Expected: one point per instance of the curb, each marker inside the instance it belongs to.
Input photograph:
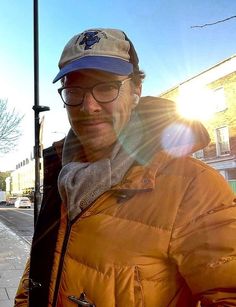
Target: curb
(14, 252)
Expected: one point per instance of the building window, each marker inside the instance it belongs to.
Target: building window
(222, 141)
(199, 154)
(219, 99)
(231, 174)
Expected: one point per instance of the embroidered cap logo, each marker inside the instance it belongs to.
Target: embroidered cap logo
(89, 39)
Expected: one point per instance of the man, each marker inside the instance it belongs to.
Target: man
(128, 217)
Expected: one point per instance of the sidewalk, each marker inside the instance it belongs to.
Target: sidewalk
(14, 252)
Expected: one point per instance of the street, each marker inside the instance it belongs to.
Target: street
(20, 221)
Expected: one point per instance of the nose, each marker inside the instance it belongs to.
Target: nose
(90, 105)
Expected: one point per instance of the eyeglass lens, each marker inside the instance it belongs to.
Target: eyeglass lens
(104, 92)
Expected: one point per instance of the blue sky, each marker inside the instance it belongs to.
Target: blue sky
(169, 50)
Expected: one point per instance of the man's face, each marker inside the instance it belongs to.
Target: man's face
(98, 125)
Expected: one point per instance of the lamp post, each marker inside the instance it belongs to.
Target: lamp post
(37, 109)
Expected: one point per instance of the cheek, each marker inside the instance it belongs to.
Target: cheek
(72, 115)
(121, 112)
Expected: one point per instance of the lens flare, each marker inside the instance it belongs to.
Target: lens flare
(178, 139)
(196, 103)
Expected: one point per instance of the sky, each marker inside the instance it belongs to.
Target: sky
(170, 51)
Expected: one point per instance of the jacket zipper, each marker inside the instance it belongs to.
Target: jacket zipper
(63, 252)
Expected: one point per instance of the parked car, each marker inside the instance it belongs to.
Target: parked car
(3, 202)
(23, 202)
(11, 200)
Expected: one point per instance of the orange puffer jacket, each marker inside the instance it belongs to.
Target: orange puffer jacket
(165, 236)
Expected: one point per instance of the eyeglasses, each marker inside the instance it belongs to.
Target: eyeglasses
(103, 92)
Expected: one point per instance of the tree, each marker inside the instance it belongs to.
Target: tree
(3, 176)
(9, 127)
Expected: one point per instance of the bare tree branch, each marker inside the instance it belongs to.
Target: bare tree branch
(9, 127)
(213, 23)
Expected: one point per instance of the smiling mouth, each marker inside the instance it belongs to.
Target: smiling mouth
(94, 121)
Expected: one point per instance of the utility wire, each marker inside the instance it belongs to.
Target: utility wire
(213, 23)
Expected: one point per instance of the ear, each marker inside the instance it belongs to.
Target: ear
(136, 96)
(138, 90)
(135, 99)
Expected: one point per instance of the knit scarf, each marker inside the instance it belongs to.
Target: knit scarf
(81, 183)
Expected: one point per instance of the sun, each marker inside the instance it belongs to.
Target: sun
(196, 103)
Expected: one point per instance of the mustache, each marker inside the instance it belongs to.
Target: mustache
(95, 118)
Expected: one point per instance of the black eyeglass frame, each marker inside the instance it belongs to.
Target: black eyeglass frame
(118, 83)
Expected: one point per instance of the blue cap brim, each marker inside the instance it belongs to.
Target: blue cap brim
(108, 64)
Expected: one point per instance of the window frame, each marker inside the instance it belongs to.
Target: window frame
(219, 150)
(219, 104)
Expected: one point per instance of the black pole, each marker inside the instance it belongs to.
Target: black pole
(37, 109)
(36, 115)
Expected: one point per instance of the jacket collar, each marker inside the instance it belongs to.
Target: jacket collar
(143, 177)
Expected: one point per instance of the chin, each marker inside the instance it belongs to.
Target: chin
(97, 137)
(97, 142)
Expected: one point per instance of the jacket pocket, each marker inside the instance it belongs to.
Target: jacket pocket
(128, 287)
(138, 289)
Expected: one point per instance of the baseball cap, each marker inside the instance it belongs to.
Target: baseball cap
(109, 50)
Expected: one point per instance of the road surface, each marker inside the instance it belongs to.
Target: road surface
(19, 220)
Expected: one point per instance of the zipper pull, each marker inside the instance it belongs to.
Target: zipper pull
(29, 284)
(82, 301)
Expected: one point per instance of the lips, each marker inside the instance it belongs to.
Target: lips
(94, 121)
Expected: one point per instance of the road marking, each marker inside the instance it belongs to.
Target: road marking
(25, 213)
(3, 208)
(26, 240)
(3, 217)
